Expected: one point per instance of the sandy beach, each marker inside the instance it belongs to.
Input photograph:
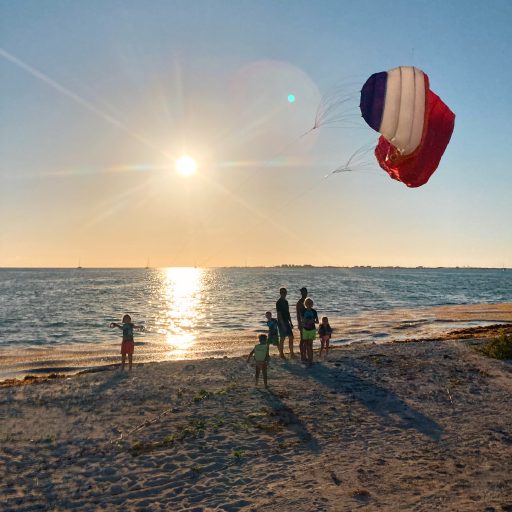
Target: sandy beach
(402, 426)
(183, 180)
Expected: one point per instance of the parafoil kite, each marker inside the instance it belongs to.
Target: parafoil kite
(414, 123)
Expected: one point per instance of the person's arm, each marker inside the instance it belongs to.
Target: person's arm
(140, 328)
(298, 310)
(267, 357)
(114, 324)
(316, 317)
(280, 319)
(250, 355)
(289, 317)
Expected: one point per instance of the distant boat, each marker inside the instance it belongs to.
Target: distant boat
(147, 264)
(79, 266)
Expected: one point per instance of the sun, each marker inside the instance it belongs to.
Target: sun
(186, 166)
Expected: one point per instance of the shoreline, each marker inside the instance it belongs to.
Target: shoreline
(425, 425)
(381, 327)
(43, 374)
(468, 333)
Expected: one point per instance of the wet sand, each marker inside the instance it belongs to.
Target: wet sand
(369, 327)
(402, 426)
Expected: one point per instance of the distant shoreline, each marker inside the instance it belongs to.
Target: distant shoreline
(285, 266)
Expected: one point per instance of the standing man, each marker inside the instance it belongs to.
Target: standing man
(300, 313)
(285, 323)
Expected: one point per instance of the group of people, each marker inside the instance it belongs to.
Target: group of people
(307, 319)
(281, 328)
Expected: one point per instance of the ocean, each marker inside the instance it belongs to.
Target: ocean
(58, 319)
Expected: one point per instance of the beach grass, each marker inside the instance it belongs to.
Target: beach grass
(499, 347)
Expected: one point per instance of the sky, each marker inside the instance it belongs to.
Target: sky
(99, 98)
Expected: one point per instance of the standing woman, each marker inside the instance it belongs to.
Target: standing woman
(300, 308)
(309, 321)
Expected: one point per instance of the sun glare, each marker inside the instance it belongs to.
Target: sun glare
(186, 166)
(182, 292)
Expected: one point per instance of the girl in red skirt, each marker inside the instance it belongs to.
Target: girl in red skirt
(127, 345)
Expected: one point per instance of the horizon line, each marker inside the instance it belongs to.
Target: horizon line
(282, 266)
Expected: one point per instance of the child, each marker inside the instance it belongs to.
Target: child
(309, 319)
(127, 345)
(324, 331)
(273, 332)
(260, 353)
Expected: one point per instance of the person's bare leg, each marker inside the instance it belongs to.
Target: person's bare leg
(123, 361)
(257, 374)
(309, 347)
(264, 372)
(130, 359)
(290, 345)
(302, 347)
(281, 348)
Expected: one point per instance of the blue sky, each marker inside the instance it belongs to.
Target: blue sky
(98, 98)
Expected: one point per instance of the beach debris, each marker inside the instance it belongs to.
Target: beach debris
(361, 495)
(202, 394)
(334, 478)
(196, 469)
(238, 453)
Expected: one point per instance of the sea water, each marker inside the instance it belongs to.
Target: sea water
(211, 312)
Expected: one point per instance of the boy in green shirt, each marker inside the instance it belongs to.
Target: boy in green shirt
(261, 356)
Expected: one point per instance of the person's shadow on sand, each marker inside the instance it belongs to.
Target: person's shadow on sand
(379, 400)
(286, 417)
(114, 379)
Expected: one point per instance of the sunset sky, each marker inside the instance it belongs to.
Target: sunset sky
(99, 98)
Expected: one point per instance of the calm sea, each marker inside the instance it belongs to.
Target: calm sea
(58, 318)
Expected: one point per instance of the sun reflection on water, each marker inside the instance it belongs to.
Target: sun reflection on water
(182, 290)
